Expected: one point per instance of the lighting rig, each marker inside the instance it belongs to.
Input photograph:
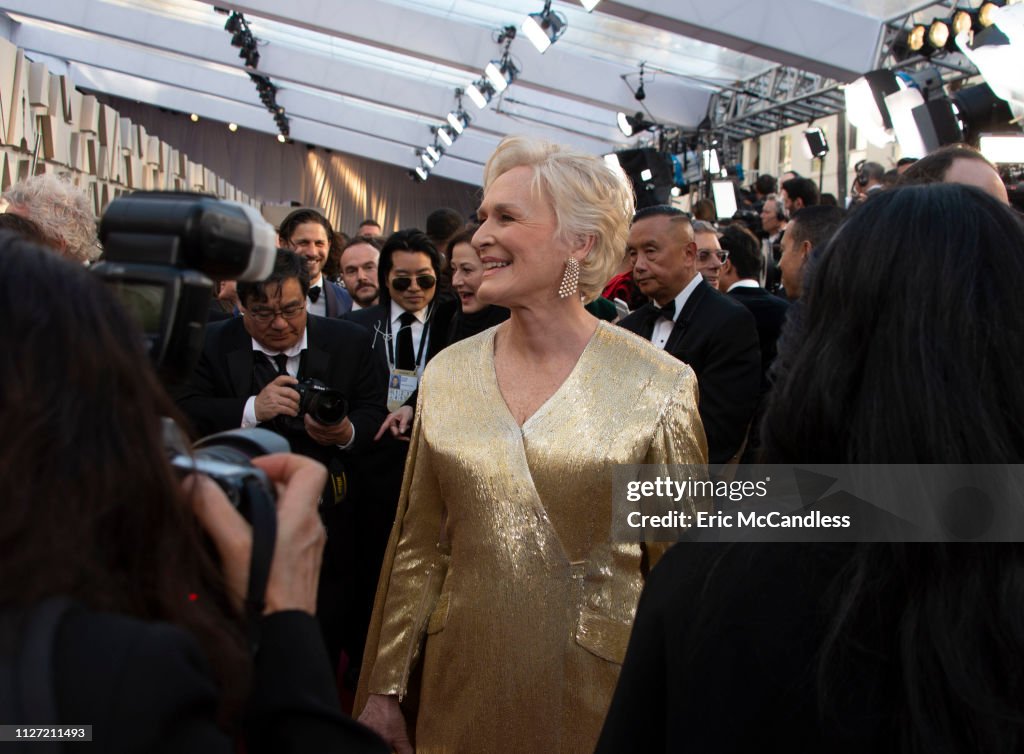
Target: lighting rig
(243, 38)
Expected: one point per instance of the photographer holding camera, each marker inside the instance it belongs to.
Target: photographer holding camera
(279, 368)
(153, 651)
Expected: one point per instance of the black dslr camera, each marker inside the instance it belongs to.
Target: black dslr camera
(319, 401)
(160, 251)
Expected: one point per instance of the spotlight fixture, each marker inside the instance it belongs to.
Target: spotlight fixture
(457, 118)
(501, 73)
(865, 105)
(194, 118)
(938, 34)
(282, 138)
(232, 127)
(427, 160)
(589, 5)
(434, 152)
(234, 23)
(545, 28)
(640, 94)
(631, 125)
(420, 173)
(480, 91)
(445, 135)
(961, 22)
(985, 13)
(817, 144)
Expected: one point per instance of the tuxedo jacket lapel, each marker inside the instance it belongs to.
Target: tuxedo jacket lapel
(315, 360)
(683, 320)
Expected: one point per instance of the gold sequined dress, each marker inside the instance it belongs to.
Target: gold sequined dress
(501, 577)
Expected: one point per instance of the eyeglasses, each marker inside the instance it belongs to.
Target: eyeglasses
(264, 316)
(426, 282)
(703, 254)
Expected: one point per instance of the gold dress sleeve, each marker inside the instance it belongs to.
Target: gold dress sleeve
(411, 577)
(678, 439)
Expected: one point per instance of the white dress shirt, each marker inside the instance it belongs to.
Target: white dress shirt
(663, 327)
(320, 307)
(418, 328)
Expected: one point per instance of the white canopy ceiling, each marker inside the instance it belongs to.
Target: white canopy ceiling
(371, 77)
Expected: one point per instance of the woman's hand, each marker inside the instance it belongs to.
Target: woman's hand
(398, 422)
(298, 549)
(384, 717)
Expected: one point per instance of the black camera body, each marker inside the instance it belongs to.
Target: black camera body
(161, 253)
(320, 402)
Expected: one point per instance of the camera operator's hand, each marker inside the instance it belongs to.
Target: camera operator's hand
(277, 398)
(298, 549)
(398, 423)
(329, 434)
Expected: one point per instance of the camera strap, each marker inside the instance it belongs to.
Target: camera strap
(263, 518)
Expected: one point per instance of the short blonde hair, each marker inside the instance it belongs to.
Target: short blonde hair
(589, 199)
(61, 210)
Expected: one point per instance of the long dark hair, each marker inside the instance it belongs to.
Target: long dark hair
(91, 508)
(908, 350)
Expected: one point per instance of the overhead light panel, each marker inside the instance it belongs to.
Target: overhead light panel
(194, 117)
(545, 28)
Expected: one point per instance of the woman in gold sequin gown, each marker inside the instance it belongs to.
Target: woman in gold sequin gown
(503, 590)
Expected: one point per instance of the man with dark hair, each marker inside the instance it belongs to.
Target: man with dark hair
(957, 163)
(442, 224)
(764, 185)
(370, 227)
(359, 260)
(309, 234)
(808, 229)
(407, 328)
(798, 193)
(246, 377)
(739, 278)
(711, 332)
(870, 178)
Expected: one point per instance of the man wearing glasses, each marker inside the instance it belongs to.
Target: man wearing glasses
(246, 377)
(710, 256)
(712, 333)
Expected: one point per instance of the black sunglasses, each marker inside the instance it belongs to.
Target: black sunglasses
(426, 282)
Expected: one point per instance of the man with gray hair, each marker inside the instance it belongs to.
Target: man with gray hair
(62, 211)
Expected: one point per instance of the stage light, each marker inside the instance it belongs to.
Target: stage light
(480, 91)
(998, 54)
(1003, 148)
(232, 127)
(544, 28)
(459, 121)
(434, 153)
(501, 73)
(915, 41)
(961, 22)
(194, 118)
(234, 22)
(816, 143)
(419, 174)
(985, 13)
(630, 125)
(589, 5)
(901, 107)
(282, 138)
(238, 39)
(710, 159)
(427, 161)
(938, 34)
(865, 105)
(444, 134)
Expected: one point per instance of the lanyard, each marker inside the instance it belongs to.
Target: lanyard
(391, 347)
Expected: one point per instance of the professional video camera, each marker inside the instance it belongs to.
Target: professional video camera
(160, 251)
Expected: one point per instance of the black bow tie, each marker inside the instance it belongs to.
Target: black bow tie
(668, 311)
(314, 293)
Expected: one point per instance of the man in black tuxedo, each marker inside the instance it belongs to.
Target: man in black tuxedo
(711, 332)
(309, 234)
(407, 328)
(245, 378)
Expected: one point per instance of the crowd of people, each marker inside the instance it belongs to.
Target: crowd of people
(444, 567)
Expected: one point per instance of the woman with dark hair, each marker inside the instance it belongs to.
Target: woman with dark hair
(154, 654)
(908, 351)
(474, 316)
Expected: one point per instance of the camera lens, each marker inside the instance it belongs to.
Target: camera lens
(329, 407)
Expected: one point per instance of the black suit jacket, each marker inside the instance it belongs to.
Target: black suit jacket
(769, 313)
(375, 319)
(717, 337)
(338, 353)
(147, 687)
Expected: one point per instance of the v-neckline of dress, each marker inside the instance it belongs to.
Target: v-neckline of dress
(545, 407)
